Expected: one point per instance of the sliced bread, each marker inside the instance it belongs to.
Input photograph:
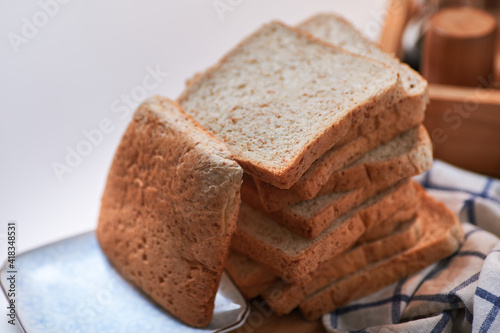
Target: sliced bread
(282, 98)
(169, 210)
(253, 278)
(442, 236)
(284, 297)
(336, 30)
(407, 155)
(250, 277)
(292, 257)
(311, 217)
(380, 230)
(338, 157)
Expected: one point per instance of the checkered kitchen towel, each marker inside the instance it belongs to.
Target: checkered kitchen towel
(457, 294)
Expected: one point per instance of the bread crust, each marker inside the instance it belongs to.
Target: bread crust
(169, 210)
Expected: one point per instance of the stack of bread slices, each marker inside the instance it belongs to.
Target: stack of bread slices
(328, 144)
(328, 131)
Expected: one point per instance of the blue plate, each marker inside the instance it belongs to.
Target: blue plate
(69, 286)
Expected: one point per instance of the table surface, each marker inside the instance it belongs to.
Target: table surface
(69, 68)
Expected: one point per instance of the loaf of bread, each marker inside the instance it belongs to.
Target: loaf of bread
(328, 129)
(169, 210)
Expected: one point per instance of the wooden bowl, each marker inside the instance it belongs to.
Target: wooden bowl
(464, 122)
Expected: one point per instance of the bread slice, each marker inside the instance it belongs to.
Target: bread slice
(309, 184)
(288, 255)
(169, 210)
(336, 30)
(281, 98)
(407, 155)
(410, 109)
(442, 236)
(253, 278)
(292, 257)
(284, 297)
(389, 226)
(250, 277)
(310, 218)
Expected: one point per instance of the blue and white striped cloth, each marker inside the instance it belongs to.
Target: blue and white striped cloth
(457, 294)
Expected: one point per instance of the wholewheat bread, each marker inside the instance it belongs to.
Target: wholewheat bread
(307, 219)
(308, 185)
(284, 297)
(442, 236)
(282, 98)
(378, 230)
(310, 218)
(337, 31)
(292, 257)
(253, 278)
(407, 155)
(411, 108)
(169, 210)
(250, 277)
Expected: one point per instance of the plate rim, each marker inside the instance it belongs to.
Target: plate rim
(4, 264)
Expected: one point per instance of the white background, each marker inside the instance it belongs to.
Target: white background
(65, 77)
